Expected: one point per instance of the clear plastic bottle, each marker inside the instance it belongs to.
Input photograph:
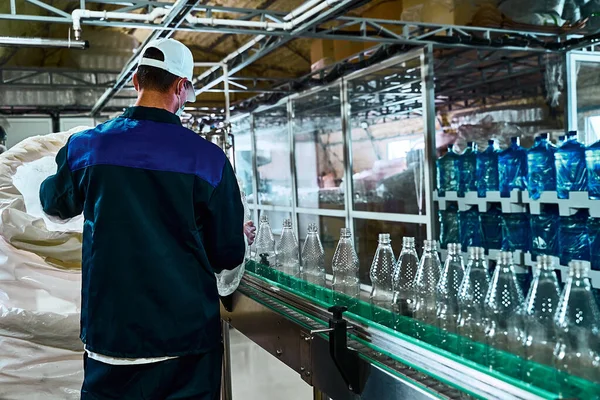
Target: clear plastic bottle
(404, 278)
(571, 172)
(345, 268)
(573, 237)
(467, 166)
(447, 290)
(487, 170)
(502, 307)
(539, 336)
(469, 227)
(264, 241)
(577, 322)
(381, 273)
(313, 257)
(449, 225)
(287, 250)
(448, 172)
(541, 168)
(512, 167)
(426, 280)
(491, 226)
(592, 160)
(471, 302)
(544, 231)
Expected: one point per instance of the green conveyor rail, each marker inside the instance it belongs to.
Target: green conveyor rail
(540, 380)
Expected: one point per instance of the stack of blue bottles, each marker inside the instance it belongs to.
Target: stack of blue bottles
(469, 228)
(512, 166)
(467, 165)
(571, 173)
(515, 232)
(487, 170)
(592, 160)
(593, 229)
(573, 237)
(448, 172)
(541, 170)
(449, 231)
(544, 231)
(491, 226)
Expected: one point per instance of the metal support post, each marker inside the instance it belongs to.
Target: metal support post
(226, 87)
(226, 388)
(430, 145)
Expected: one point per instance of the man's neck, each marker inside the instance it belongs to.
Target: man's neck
(155, 100)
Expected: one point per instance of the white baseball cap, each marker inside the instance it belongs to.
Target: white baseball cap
(178, 60)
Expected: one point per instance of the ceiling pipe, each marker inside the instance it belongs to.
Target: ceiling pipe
(9, 41)
(301, 9)
(79, 14)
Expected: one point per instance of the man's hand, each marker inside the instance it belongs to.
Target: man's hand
(250, 232)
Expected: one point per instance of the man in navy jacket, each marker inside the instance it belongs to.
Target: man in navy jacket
(163, 214)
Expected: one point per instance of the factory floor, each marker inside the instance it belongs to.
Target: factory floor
(257, 375)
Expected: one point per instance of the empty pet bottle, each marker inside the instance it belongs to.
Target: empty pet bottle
(426, 280)
(467, 166)
(573, 237)
(541, 168)
(491, 226)
(577, 322)
(448, 173)
(447, 290)
(449, 228)
(404, 277)
(487, 170)
(502, 305)
(516, 232)
(287, 250)
(345, 269)
(571, 172)
(381, 273)
(471, 302)
(544, 231)
(539, 337)
(313, 257)
(512, 167)
(264, 242)
(592, 160)
(469, 227)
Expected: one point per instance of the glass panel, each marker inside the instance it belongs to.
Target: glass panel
(588, 108)
(273, 156)
(387, 131)
(329, 232)
(319, 152)
(276, 221)
(366, 234)
(243, 155)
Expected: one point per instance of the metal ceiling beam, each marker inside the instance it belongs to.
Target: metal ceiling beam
(175, 17)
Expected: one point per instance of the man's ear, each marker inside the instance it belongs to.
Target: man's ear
(136, 83)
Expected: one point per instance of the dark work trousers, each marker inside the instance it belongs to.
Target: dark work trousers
(194, 377)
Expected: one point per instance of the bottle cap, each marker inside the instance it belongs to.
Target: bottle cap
(561, 138)
(384, 238)
(476, 252)
(544, 135)
(450, 147)
(491, 142)
(408, 241)
(454, 248)
(312, 228)
(264, 218)
(545, 262)
(579, 268)
(515, 140)
(505, 257)
(287, 223)
(571, 134)
(470, 144)
(429, 244)
(345, 232)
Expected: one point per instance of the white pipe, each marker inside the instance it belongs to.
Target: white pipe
(301, 9)
(313, 11)
(41, 42)
(226, 87)
(79, 14)
(234, 22)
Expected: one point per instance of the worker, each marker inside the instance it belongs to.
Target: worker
(2, 140)
(163, 214)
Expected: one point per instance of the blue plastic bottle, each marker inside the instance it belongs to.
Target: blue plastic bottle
(491, 225)
(487, 169)
(469, 228)
(541, 170)
(467, 166)
(544, 232)
(592, 160)
(449, 230)
(571, 173)
(512, 167)
(448, 172)
(516, 232)
(573, 238)
(593, 229)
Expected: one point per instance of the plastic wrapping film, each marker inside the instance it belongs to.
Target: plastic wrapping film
(544, 234)
(515, 232)
(491, 226)
(449, 226)
(541, 170)
(571, 169)
(593, 228)
(470, 228)
(548, 12)
(573, 237)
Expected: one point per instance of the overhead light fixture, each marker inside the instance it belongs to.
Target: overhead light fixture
(9, 41)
